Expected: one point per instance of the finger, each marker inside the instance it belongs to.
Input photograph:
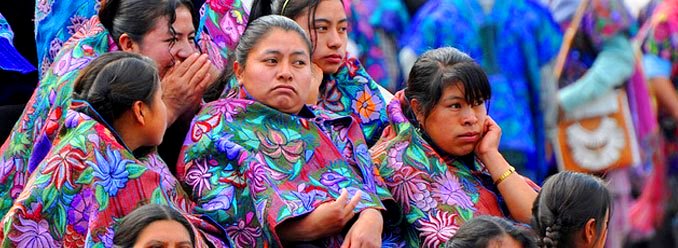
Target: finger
(341, 201)
(347, 241)
(200, 75)
(185, 65)
(195, 66)
(354, 201)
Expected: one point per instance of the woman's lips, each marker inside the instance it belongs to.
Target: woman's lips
(469, 137)
(333, 58)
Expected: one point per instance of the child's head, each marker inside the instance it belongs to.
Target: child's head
(154, 226)
(491, 231)
(572, 210)
(124, 89)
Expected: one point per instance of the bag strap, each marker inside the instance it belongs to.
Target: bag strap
(568, 38)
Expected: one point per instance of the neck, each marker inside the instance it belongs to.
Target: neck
(127, 133)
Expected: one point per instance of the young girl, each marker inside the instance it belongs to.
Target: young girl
(154, 225)
(91, 177)
(572, 210)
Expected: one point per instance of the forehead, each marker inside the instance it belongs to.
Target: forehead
(332, 10)
(285, 41)
(183, 22)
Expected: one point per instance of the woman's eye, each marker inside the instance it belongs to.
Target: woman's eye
(343, 29)
(455, 106)
(271, 61)
(300, 62)
(321, 28)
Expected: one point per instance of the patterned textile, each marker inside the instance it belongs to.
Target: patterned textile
(436, 193)
(224, 21)
(10, 58)
(85, 185)
(375, 27)
(511, 50)
(56, 21)
(349, 92)
(250, 167)
(31, 138)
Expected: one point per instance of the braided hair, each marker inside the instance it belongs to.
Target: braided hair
(565, 204)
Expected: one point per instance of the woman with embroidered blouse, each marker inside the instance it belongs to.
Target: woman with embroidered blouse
(272, 170)
(439, 157)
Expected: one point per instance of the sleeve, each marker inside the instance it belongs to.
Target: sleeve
(612, 67)
(656, 67)
(661, 43)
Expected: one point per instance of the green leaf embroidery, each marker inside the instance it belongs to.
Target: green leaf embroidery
(86, 176)
(135, 170)
(102, 197)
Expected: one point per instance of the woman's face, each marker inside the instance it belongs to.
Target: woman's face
(454, 124)
(156, 121)
(164, 234)
(330, 35)
(277, 71)
(157, 43)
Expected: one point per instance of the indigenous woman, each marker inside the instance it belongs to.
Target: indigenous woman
(343, 86)
(661, 68)
(272, 170)
(162, 30)
(91, 178)
(600, 60)
(439, 157)
(513, 51)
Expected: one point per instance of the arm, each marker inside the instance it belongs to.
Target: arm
(612, 67)
(658, 70)
(517, 193)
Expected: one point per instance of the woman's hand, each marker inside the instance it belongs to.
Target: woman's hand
(489, 143)
(327, 219)
(366, 231)
(184, 85)
(315, 84)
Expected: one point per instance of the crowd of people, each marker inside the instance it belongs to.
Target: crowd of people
(344, 123)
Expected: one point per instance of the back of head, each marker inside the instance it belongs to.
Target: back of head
(436, 69)
(137, 17)
(131, 225)
(113, 82)
(482, 230)
(566, 202)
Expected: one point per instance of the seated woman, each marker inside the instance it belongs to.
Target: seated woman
(439, 156)
(160, 29)
(572, 210)
(340, 83)
(91, 178)
(491, 231)
(154, 225)
(272, 170)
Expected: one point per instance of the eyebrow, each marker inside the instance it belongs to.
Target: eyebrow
(276, 52)
(181, 34)
(454, 98)
(328, 21)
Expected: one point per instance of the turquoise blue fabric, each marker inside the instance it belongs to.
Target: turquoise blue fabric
(655, 66)
(55, 22)
(511, 50)
(611, 68)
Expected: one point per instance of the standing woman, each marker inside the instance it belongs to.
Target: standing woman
(439, 156)
(160, 29)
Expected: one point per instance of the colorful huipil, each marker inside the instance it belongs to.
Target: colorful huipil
(55, 22)
(436, 193)
(251, 167)
(349, 92)
(511, 50)
(86, 184)
(31, 137)
(375, 27)
(224, 21)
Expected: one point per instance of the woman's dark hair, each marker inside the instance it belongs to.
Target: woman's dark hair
(260, 28)
(137, 17)
(565, 204)
(134, 223)
(288, 8)
(114, 81)
(439, 68)
(481, 230)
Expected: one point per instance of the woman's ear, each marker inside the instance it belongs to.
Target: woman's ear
(139, 111)
(127, 44)
(415, 105)
(589, 232)
(238, 71)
